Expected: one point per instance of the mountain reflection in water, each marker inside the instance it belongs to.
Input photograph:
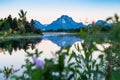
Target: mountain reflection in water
(61, 40)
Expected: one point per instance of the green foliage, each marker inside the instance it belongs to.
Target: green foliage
(43, 73)
(112, 53)
(83, 32)
(22, 14)
(84, 67)
(115, 33)
(20, 25)
(15, 25)
(58, 69)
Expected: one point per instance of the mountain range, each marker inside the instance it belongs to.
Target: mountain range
(65, 23)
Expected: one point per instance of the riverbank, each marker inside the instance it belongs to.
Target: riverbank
(19, 36)
(60, 33)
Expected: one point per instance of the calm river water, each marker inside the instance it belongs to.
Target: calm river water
(12, 52)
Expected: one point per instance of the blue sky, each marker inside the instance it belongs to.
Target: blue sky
(47, 11)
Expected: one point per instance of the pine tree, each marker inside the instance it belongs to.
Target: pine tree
(22, 21)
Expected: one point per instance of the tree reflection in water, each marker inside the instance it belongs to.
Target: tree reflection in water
(14, 44)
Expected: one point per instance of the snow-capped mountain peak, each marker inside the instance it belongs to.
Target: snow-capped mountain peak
(63, 21)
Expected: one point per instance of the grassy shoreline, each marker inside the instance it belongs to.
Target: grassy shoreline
(19, 36)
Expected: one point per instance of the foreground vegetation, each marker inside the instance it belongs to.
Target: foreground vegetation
(79, 64)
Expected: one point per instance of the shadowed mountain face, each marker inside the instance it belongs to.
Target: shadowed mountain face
(103, 23)
(39, 25)
(64, 22)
